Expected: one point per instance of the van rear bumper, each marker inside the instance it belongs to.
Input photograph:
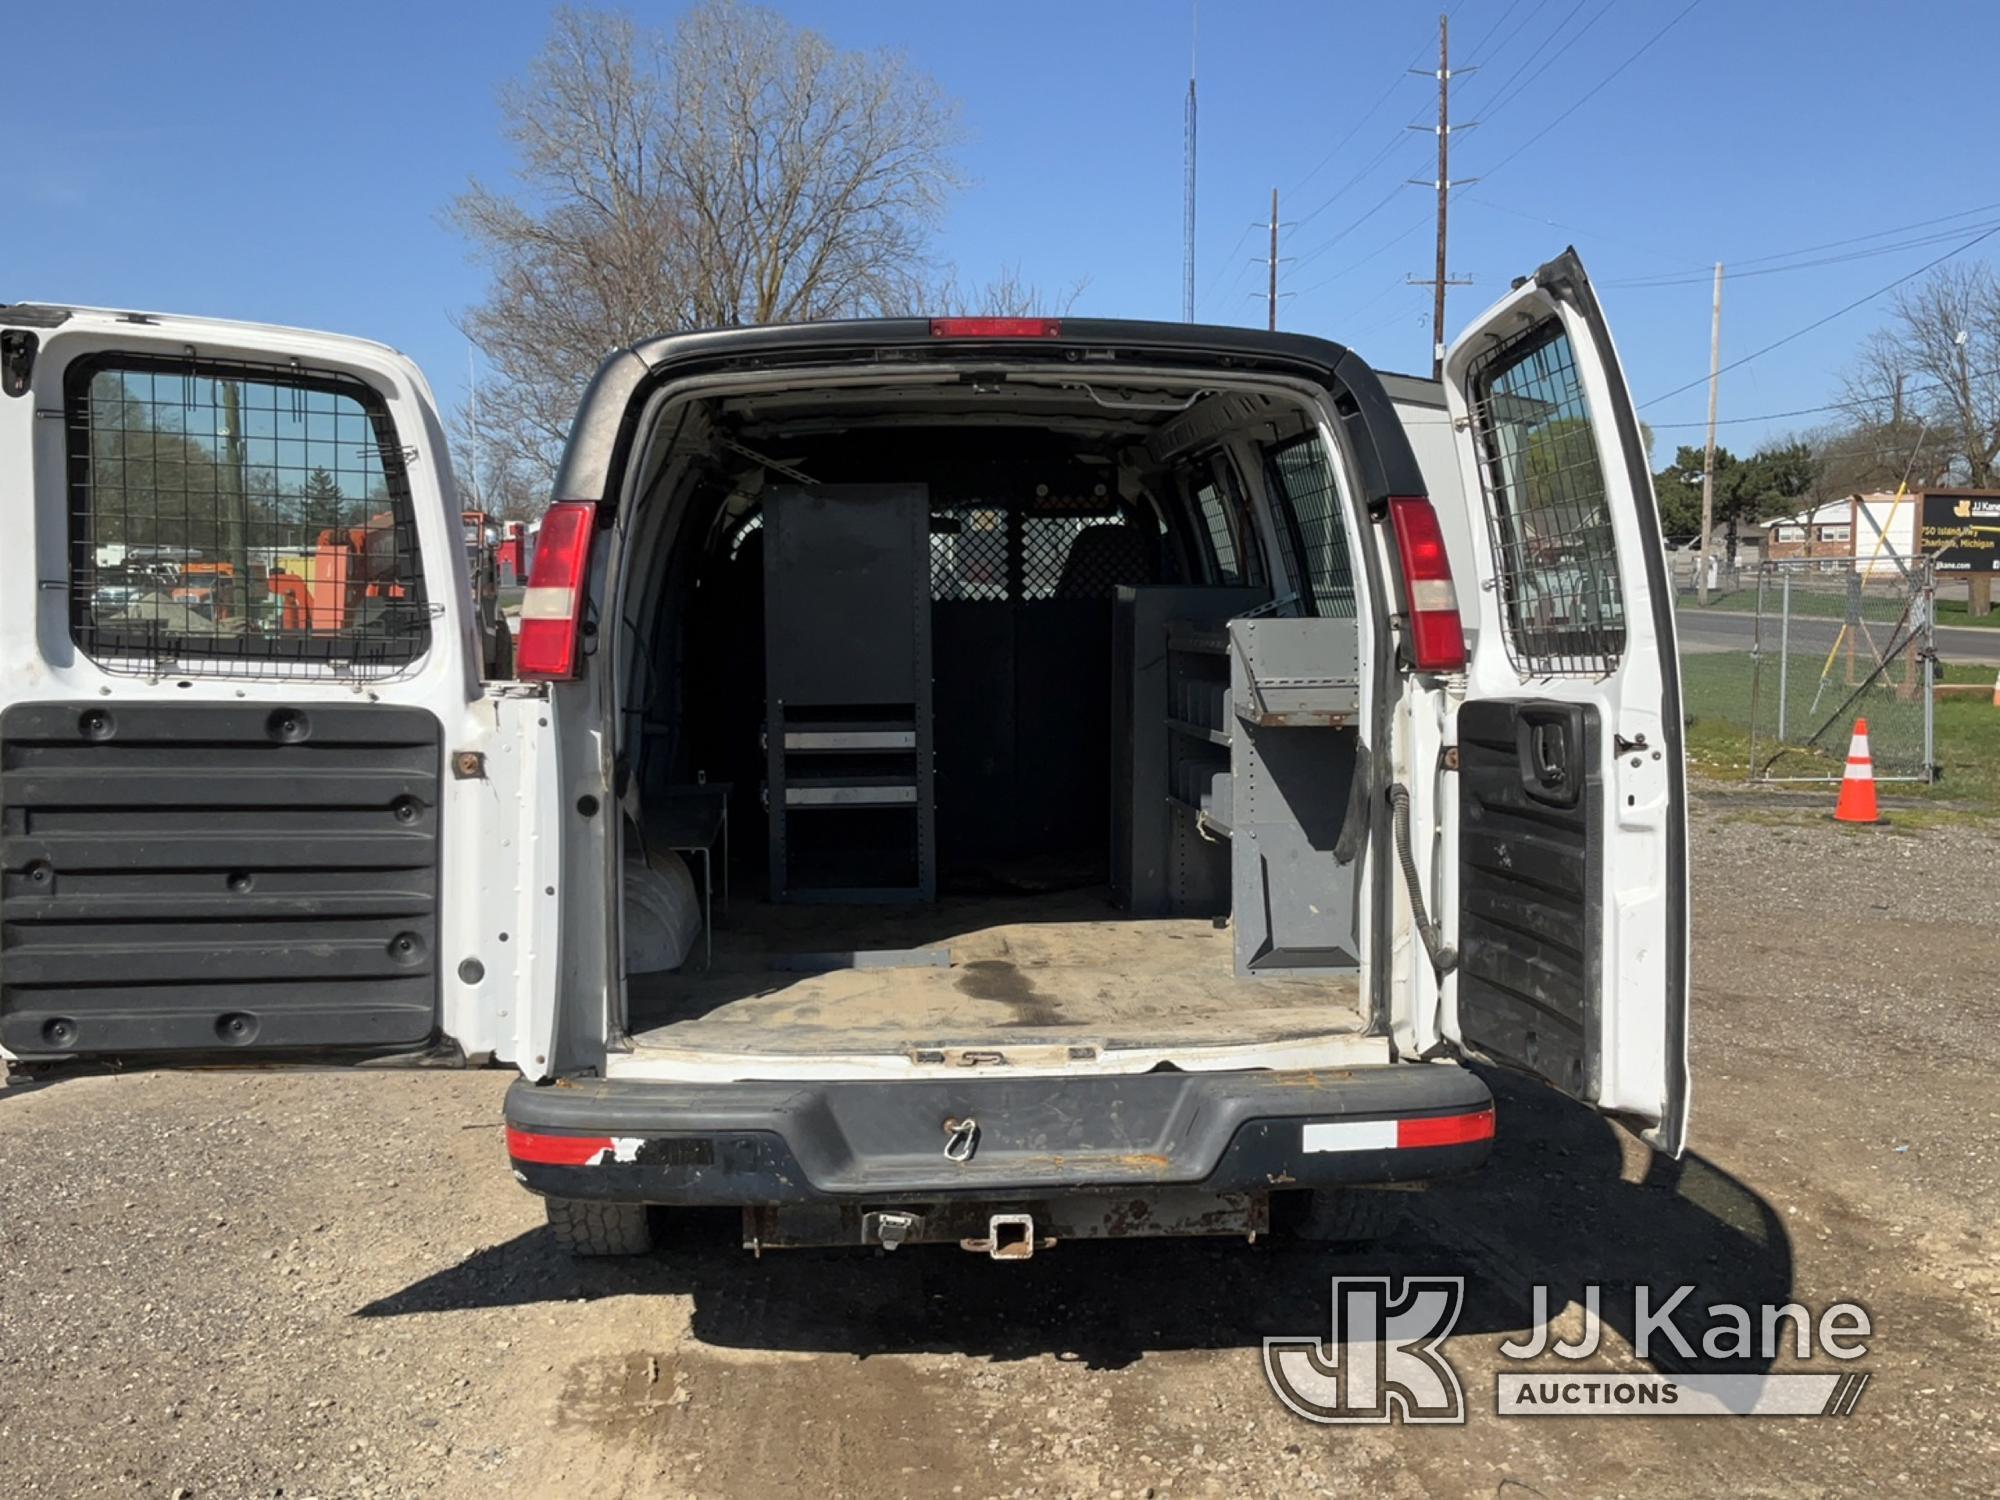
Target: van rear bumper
(748, 1144)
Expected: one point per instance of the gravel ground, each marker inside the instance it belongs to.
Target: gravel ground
(324, 1283)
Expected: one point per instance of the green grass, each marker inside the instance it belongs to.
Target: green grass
(1731, 601)
(1956, 612)
(1716, 691)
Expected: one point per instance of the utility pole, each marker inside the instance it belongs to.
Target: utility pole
(1271, 295)
(1439, 280)
(1270, 260)
(1708, 453)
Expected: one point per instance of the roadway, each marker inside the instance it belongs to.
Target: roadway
(1715, 630)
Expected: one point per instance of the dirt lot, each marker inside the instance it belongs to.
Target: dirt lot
(326, 1284)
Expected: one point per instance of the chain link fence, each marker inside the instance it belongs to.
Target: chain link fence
(1836, 640)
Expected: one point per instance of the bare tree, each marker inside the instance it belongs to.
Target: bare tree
(1936, 370)
(740, 170)
(1883, 433)
(1949, 327)
(1007, 294)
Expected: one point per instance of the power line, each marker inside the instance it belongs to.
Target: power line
(1354, 266)
(1841, 311)
(1507, 91)
(1326, 245)
(1814, 264)
(1367, 115)
(1590, 234)
(1416, 316)
(1441, 129)
(1597, 88)
(1858, 239)
(1368, 167)
(1353, 130)
(1216, 280)
(1808, 411)
(1487, 35)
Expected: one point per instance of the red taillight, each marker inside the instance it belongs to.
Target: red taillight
(556, 1150)
(1445, 1130)
(552, 607)
(996, 328)
(1437, 642)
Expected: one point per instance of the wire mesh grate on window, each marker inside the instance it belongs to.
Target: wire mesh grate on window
(1082, 556)
(239, 520)
(1209, 500)
(969, 552)
(1561, 605)
(997, 552)
(1302, 476)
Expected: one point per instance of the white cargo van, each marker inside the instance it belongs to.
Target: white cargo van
(993, 780)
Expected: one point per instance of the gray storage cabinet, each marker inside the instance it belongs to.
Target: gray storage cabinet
(1295, 696)
(1167, 769)
(847, 722)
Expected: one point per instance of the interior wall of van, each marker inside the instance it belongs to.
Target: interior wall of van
(1001, 714)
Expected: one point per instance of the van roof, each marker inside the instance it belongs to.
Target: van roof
(60, 315)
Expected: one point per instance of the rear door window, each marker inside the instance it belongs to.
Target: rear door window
(238, 519)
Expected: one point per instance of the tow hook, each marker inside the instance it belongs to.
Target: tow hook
(961, 1139)
(1008, 1237)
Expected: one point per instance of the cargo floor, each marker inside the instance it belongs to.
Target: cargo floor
(1064, 968)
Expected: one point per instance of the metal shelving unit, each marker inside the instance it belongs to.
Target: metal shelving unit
(847, 726)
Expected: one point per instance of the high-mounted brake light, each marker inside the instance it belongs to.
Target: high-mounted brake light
(996, 328)
(1437, 641)
(552, 606)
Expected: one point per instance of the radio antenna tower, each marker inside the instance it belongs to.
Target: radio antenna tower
(1187, 207)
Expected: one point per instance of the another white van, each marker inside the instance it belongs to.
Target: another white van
(987, 780)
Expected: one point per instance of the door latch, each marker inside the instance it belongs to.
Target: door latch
(1624, 746)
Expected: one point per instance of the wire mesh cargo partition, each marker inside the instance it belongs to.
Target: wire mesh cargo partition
(1546, 510)
(1838, 640)
(238, 520)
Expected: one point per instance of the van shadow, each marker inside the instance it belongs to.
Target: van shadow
(1552, 1208)
(19, 1085)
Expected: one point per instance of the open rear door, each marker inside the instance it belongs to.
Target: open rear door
(255, 800)
(1571, 868)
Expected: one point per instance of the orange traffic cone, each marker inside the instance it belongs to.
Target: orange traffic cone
(1857, 787)
(1996, 692)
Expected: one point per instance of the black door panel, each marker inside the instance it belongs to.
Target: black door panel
(208, 877)
(1530, 851)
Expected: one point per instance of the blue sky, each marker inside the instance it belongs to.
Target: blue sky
(290, 163)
